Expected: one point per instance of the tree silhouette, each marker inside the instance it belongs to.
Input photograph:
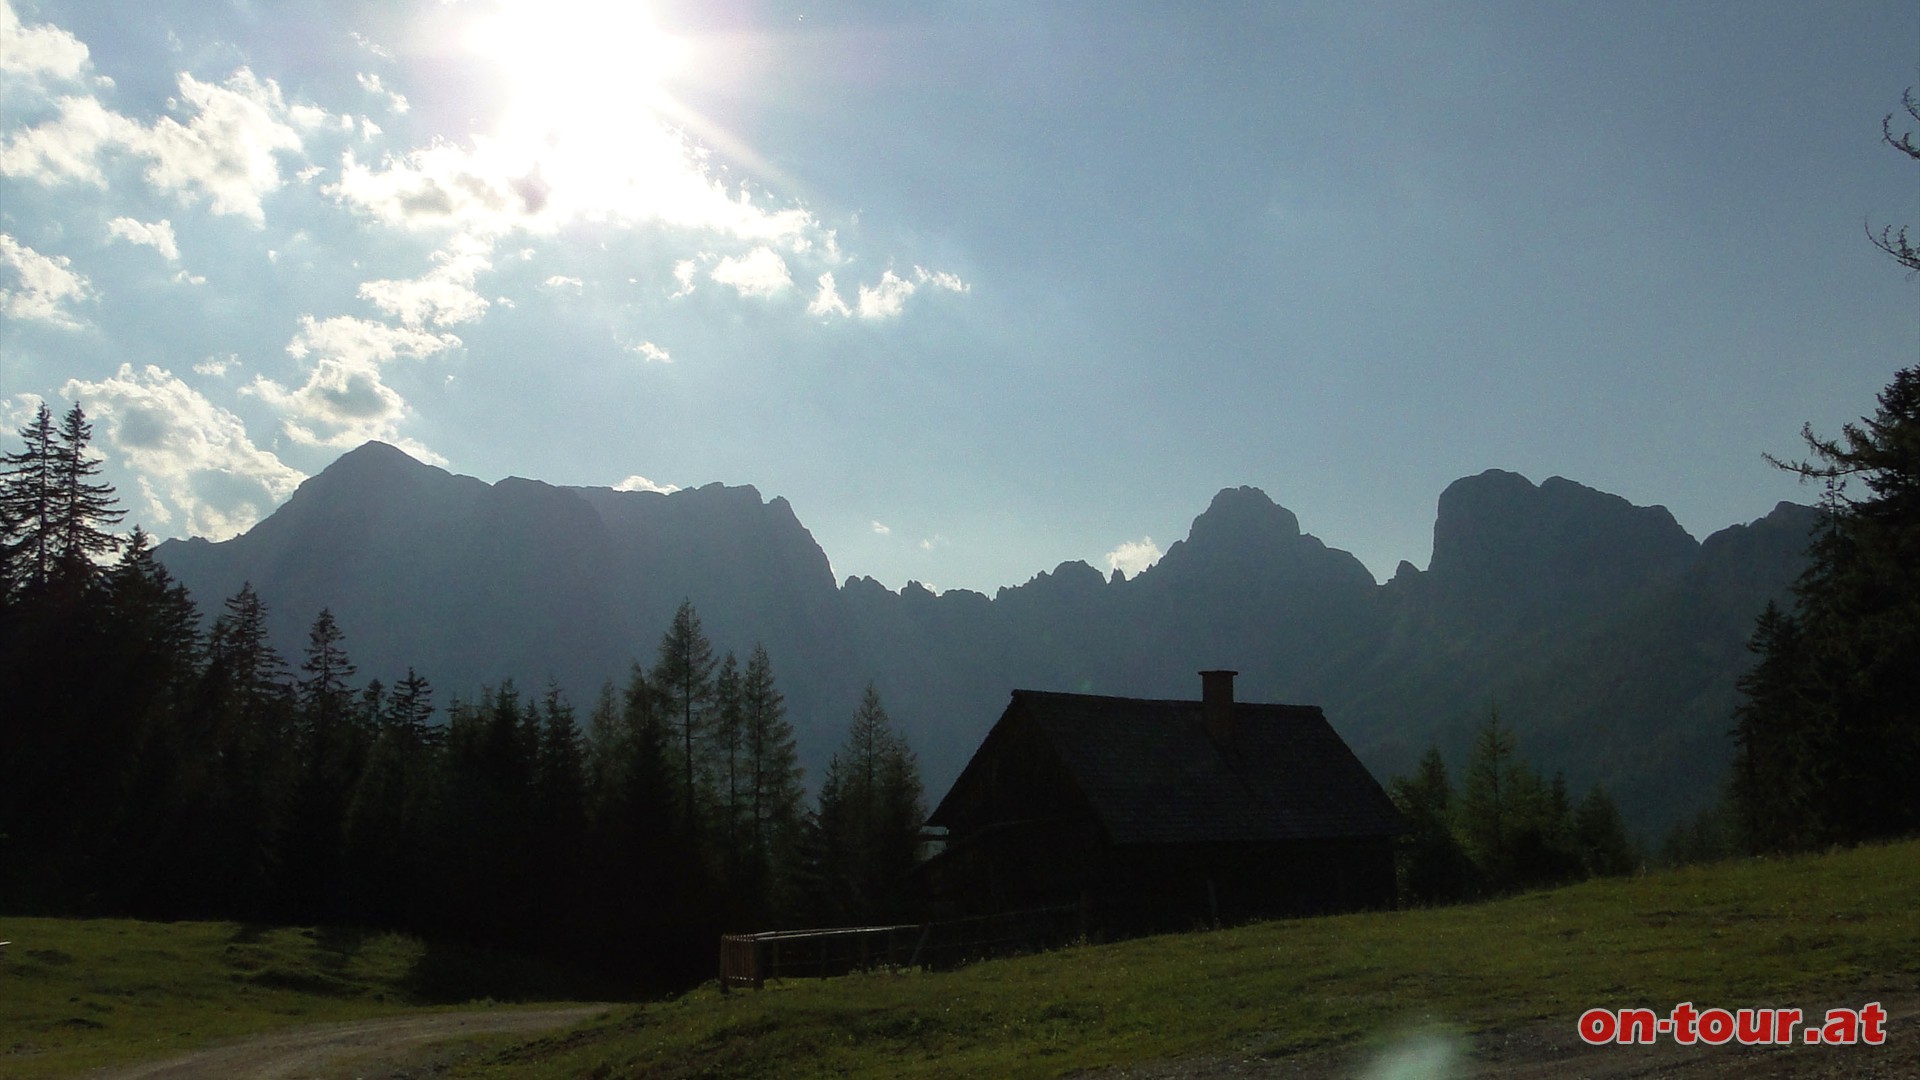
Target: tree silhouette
(1827, 740)
(29, 485)
(84, 506)
(683, 674)
(1897, 244)
(869, 818)
(774, 793)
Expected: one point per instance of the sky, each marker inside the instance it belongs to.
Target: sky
(978, 287)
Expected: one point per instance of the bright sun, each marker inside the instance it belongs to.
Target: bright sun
(580, 62)
(588, 104)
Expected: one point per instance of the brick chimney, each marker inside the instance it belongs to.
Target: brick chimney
(1216, 705)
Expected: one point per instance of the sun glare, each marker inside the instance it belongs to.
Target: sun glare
(591, 130)
(588, 103)
(580, 60)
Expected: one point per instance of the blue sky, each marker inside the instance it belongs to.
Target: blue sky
(978, 287)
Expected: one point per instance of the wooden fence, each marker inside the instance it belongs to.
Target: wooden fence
(752, 959)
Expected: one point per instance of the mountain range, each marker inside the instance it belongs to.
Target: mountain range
(1608, 638)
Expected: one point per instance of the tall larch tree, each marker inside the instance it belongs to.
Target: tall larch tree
(774, 792)
(683, 675)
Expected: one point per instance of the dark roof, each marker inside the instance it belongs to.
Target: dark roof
(1153, 775)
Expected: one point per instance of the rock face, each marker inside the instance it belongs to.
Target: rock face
(1519, 549)
(473, 583)
(1609, 638)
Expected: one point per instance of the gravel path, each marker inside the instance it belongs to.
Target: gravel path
(360, 1048)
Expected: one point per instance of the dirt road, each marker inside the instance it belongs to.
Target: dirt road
(361, 1048)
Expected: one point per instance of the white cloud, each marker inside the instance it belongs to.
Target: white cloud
(217, 366)
(444, 295)
(371, 46)
(828, 301)
(887, 298)
(760, 272)
(647, 350)
(562, 281)
(18, 412)
(198, 471)
(683, 277)
(940, 279)
(1133, 556)
(226, 152)
(41, 49)
(158, 235)
(313, 116)
(637, 482)
(371, 84)
(344, 401)
(882, 529)
(364, 339)
(68, 147)
(45, 287)
(436, 298)
(522, 180)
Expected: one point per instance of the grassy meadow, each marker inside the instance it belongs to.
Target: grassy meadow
(1751, 933)
(76, 994)
(1790, 932)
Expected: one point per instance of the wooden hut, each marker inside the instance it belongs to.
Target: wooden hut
(1154, 815)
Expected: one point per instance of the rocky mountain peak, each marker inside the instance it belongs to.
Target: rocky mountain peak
(1498, 535)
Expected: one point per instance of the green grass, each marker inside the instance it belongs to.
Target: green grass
(1775, 932)
(76, 994)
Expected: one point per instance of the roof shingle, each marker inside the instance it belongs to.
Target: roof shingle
(1154, 775)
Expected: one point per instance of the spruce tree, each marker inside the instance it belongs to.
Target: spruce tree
(1432, 866)
(559, 825)
(386, 843)
(331, 757)
(870, 813)
(84, 505)
(241, 658)
(29, 505)
(1601, 837)
(246, 698)
(1828, 736)
(152, 663)
(1837, 686)
(326, 696)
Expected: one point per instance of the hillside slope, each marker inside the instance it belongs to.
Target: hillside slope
(1809, 933)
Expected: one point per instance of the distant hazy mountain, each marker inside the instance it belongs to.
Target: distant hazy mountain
(1607, 636)
(472, 583)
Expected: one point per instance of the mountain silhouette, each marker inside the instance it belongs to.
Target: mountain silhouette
(1609, 638)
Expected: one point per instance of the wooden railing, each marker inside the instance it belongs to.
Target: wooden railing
(752, 959)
